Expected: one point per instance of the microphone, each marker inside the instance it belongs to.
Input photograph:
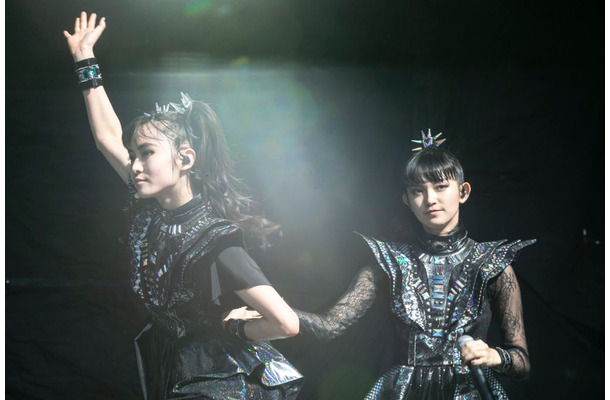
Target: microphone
(477, 373)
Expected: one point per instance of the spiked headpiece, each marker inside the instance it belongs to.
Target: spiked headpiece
(186, 105)
(428, 140)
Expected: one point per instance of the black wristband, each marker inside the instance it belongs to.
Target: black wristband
(241, 329)
(85, 63)
(506, 358)
(236, 327)
(88, 73)
(91, 83)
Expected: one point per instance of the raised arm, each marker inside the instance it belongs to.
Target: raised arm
(104, 122)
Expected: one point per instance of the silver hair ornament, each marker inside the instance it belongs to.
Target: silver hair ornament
(186, 105)
(428, 140)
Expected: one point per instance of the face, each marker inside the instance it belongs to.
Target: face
(437, 205)
(156, 170)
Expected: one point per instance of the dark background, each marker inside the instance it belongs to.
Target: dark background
(319, 100)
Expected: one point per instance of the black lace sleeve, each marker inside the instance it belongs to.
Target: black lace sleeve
(506, 305)
(350, 308)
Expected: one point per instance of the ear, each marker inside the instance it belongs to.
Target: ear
(465, 192)
(188, 157)
(405, 200)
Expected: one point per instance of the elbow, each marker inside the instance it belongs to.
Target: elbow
(108, 141)
(99, 146)
(524, 372)
(102, 146)
(289, 325)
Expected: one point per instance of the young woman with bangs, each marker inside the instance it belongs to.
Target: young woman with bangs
(442, 286)
(189, 265)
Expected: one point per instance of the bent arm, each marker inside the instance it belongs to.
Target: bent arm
(507, 307)
(348, 310)
(105, 124)
(240, 274)
(278, 320)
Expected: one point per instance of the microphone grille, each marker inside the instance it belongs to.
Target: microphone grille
(462, 340)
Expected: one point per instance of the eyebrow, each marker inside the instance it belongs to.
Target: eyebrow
(142, 146)
(145, 145)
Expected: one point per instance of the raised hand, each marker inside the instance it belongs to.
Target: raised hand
(85, 35)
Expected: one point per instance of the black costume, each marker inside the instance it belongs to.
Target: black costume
(441, 288)
(186, 265)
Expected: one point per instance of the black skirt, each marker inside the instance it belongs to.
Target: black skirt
(195, 367)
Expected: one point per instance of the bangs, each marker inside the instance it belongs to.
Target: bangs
(130, 131)
(433, 166)
(142, 126)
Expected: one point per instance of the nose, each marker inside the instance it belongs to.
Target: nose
(136, 166)
(430, 197)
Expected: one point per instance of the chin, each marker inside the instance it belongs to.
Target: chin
(142, 195)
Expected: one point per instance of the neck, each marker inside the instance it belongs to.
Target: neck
(178, 196)
(444, 231)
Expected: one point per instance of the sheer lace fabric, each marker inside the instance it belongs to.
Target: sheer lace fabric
(503, 294)
(505, 298)
(354, 303)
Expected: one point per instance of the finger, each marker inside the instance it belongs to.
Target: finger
(481, 344)
(468, 354)
(102, 25)
(468, 349)
(83, 20)
(67, 35)
(76, 25)
(92, 19)
(467, 358)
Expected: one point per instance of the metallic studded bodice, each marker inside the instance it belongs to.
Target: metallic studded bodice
(165, 248)
(438, 291)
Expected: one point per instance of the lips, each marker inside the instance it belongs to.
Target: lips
(433, 212)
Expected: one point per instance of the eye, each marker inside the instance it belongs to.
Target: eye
(441, 186)
(415, 191)
(147, 153)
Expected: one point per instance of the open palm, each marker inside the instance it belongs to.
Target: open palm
(85, 35)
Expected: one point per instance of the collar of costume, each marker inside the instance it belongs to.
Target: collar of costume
(184, 212)
(451, 243)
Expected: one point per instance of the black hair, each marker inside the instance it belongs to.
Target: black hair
(212, 174)
(432, 164)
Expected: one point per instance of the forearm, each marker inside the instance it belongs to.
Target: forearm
(265, 329)
(106, 129)
(324, 327)
(506, 304)
(277, 320)
(515, 362)
(105, 125)
(348, 310)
